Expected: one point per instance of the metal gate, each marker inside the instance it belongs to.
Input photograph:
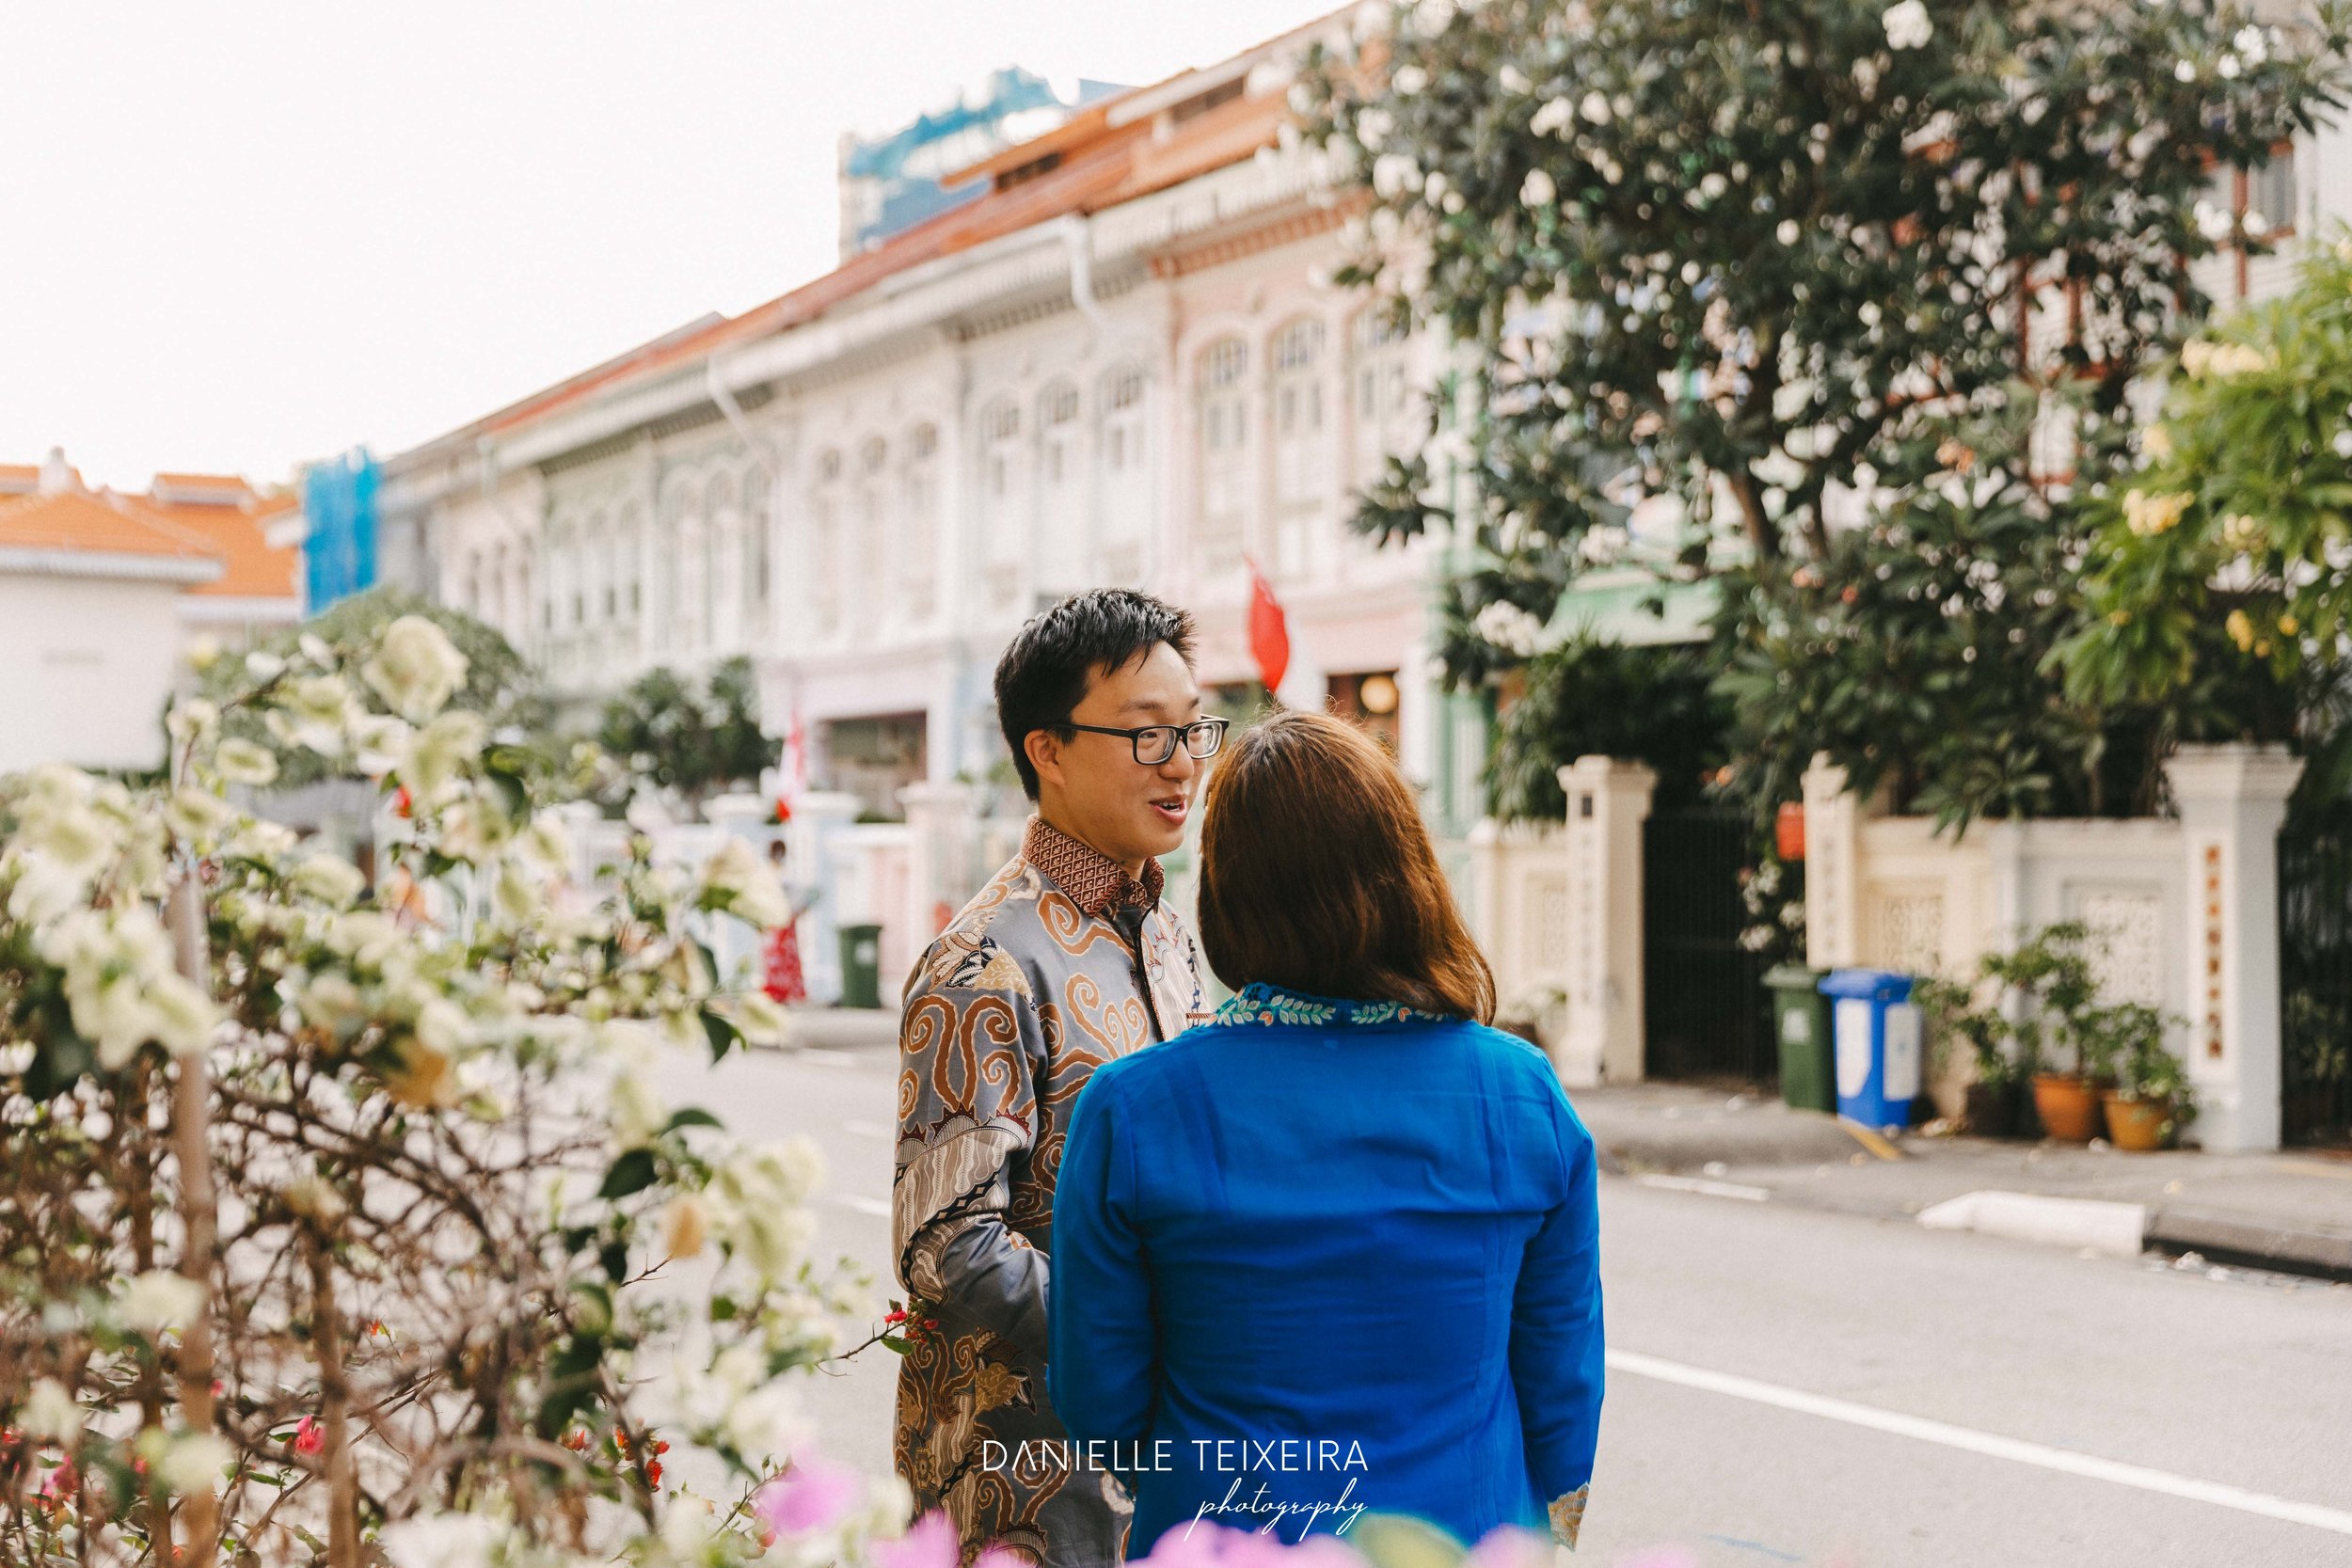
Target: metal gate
(1704, 999)
(2316, 982)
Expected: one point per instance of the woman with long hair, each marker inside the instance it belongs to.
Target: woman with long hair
(1338, 1250)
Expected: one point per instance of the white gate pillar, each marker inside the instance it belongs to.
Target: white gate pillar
(2232, 799)
(1608, 803)
(1832, 835)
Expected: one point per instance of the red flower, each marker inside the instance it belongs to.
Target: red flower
(402, 804)
(653, 1473)
(895, 1317)
(310, 1436)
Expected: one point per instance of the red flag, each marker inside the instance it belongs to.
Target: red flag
(1269, 632)
(795, 742)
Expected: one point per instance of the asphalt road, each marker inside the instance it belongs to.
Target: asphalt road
(1793, 1387)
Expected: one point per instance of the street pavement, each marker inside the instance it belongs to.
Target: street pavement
(1795, 1384)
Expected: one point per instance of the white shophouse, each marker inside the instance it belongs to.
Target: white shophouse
(1124, 364)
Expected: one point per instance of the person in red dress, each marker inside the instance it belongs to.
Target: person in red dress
(780, 953)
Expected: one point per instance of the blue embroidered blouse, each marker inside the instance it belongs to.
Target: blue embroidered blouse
(1320, 1257)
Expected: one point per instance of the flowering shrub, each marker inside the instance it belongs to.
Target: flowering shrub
(340, 1215)
(2226, 549)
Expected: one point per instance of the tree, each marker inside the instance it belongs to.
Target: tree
(1739, 249)
(2225, 559)
(696, 741)
(498, 684)
(336, 1215)
(1749, 283)
(1654, 704)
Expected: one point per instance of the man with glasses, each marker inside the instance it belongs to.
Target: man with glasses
(1065, 961)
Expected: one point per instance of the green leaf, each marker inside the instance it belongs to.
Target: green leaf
(723, 1035)
(693, 1116)
(634, 1172)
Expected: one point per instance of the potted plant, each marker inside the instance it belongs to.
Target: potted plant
(1994, 1090)
(2056, 990)
(2151, 1099)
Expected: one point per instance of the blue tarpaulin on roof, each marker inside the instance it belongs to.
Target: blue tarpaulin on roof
(339, 537)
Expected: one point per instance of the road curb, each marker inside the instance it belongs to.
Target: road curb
(2222, 1239)
(2119, 1228)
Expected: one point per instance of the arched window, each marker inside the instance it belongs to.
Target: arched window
(918, 499)
(1062, 547)
(501, 605)
(824, 538)
(1302, 447)
(1383, 404)
(1224, 451)
(720, 523)
(674, 595)
(759, 522)
(630, 571)
(1002, 495)
(872, 519)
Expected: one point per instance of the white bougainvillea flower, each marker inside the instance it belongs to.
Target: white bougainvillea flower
(193, 1462)
(120, 987)
(242, 762)
(762, 1021)
(1537, 189)
(416, 668)
(158, 1302)
(1908, 24)
(439, 1541)
(431, 758)
(52, 1411)
(738, 881)
(314, 711)
(330, 880)
(1552, 119)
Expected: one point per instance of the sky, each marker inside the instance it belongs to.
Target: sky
(239, 235)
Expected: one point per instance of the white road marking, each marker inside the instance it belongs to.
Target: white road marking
(870, 1130)
(1986, 1443)
(879, 1207)
(1708, 1188)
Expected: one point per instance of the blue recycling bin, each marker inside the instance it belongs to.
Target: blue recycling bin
(1876, 1026)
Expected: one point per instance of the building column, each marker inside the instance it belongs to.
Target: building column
(818, 818)
(1609, 800)
(2232, 799)
(1833, 839)
(939, 856)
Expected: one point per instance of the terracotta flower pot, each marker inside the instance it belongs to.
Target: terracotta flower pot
(2137, 1125)
(1993, 1110)
(2068, 1106)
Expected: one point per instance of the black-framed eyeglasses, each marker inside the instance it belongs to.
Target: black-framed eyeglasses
(1155, 744)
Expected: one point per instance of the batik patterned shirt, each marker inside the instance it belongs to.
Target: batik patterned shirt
(1063, 962)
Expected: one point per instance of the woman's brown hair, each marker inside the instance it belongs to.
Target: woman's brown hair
(1317, 875)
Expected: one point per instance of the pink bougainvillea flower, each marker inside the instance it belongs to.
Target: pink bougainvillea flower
(810, 1496)
(992, 1555)
(930, 1543)
(1198, 1544)
(1511, 1547)
(309, 1437)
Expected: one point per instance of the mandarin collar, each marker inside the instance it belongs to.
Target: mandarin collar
(1093, 880)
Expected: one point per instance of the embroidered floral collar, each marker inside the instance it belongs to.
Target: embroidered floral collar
(1267, 1004)
(1093, 880)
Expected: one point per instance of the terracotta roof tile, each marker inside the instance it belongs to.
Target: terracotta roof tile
(1102, 165)
(251, 569)
(111, 525)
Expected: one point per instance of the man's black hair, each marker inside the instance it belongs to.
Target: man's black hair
(1044, 671)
